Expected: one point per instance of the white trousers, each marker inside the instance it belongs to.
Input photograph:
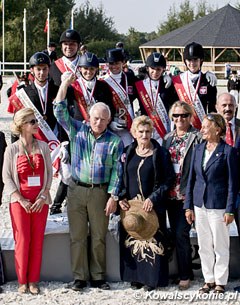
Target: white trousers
(214, 244)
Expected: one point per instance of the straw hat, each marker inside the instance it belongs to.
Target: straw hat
(139, 224)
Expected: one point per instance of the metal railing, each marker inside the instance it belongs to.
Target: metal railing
(218, 69)
(13, 67)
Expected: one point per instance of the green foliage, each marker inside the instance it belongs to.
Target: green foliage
(99, 47)
(36, 15)
(93, 24)
(96, 29)
(183, 16)
(133, 39)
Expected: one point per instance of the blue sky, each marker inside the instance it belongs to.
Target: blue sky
(144, 16)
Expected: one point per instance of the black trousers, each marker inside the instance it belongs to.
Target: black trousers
(180, 231)
(61, 193)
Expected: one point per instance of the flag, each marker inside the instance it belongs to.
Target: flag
(46, 26)
(71, 20)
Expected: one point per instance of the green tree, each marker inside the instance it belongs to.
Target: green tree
(94, 25)
(36, 15)
(183, 16)
(133, 39)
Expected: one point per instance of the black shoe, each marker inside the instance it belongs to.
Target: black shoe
(101, 284)
(79, 285)
(149, 288)
(136, 285)
(237, 288)
(1, 290)
(55, 209)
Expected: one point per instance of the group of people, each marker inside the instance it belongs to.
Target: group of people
(143, 148)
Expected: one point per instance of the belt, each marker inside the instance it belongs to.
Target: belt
(83, 184)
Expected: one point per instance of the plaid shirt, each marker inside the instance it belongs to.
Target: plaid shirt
(93, 160)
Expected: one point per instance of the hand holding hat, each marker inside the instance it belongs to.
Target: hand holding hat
(137, 222)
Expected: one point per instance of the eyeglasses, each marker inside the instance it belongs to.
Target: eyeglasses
(182, 115)
(32, 122)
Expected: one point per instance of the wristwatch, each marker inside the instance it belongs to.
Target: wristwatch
(43, 197)
(115, 198)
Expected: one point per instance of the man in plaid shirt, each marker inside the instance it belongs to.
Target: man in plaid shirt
(92, 193)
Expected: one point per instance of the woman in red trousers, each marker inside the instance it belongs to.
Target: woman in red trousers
(27, 175)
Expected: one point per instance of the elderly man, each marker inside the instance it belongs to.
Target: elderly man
(92, 193)
(226, 106)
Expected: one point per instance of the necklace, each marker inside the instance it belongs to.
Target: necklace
(143, 153)
(31, 163)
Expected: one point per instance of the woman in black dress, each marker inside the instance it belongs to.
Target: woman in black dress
(148, 173)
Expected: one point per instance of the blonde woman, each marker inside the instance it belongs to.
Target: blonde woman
(147, 171)
(180, 143)
(27, 175)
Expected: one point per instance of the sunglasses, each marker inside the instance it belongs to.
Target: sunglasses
(212, 118)
(182, 115)
(32, 122)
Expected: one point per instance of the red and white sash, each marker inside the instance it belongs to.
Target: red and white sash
(154, 106)
(84, 99)
(121, 100)
(187, 93)
(45, 132)
(65, 64)
(21, 100)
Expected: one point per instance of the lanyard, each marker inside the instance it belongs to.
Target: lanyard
(27, 155)
(43, 100)
(124, 90)
(157, 92)
(70, 66)
(89, 96)
(193, 98)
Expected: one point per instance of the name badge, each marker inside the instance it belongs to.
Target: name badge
(176, 168)
(203, 90)
(33, 180)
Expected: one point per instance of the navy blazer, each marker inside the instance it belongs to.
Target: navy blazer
(237, 134)
(216, 187)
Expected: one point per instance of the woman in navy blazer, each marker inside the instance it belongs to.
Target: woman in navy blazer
(210, 200)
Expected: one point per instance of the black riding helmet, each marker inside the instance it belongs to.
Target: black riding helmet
(88, 60)
(193, 51)
(39, 58)
(114, 55)
(156, 60)
(70, 35)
